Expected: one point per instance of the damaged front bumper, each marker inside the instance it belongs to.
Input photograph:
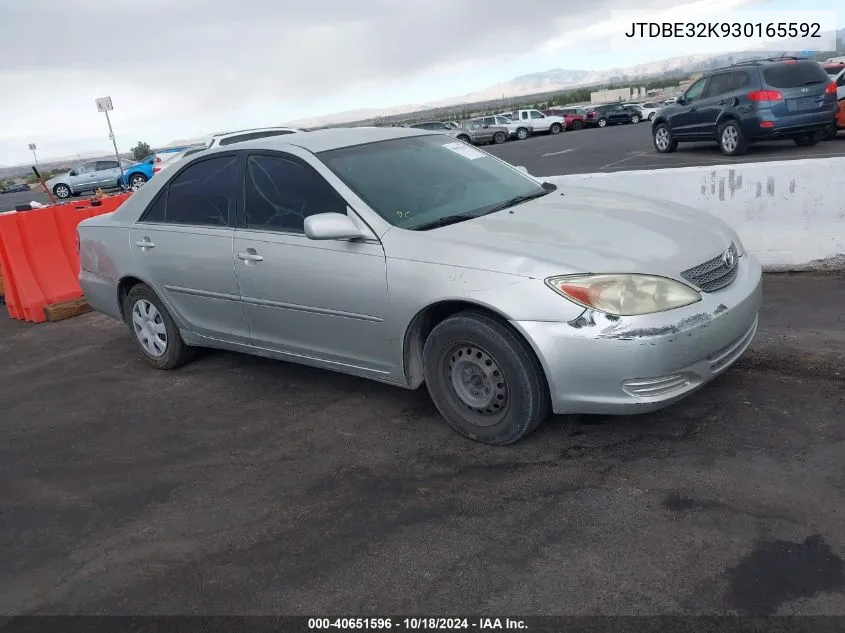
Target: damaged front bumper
(600, 364)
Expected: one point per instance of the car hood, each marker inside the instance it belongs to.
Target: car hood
(573, 230)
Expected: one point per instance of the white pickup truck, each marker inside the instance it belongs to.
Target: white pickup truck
(541, 123)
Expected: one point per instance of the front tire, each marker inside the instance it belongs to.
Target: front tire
(62, 191)
(555, 128)
(484, 380)
(465, 139)
(731, 139)
(635, 118)
(651, 116)
(577, 125)
(522, 134)
(602, 123)
(153, 330)
(664, 141)
(499, 138)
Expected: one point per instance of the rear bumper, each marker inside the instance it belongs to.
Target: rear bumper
(789, 127)
(100, 293)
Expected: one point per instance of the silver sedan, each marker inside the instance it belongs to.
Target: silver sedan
(409, 257)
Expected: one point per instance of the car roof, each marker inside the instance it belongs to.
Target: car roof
(254, 129)
(333, 138)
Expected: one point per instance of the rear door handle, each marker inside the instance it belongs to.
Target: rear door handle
(250, 256)
(145, 243)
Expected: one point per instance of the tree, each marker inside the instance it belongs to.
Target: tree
(141, 150)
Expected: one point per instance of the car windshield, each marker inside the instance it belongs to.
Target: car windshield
(420, 181)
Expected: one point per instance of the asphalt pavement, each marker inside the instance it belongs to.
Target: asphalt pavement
(240, 485)
(629, 147)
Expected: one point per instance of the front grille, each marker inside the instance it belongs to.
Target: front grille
(714, 273)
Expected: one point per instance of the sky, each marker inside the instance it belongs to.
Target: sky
(182, 69)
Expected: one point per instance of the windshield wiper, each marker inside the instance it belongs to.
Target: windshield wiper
(445, 221)
(812, 82)
(507, 204)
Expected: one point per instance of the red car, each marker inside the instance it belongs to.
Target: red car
(833, 68)
(574, 118)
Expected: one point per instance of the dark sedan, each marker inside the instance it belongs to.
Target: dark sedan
(14, 188)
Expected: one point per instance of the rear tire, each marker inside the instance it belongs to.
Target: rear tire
(602, 123)
(465, 139)
(635, 118)
(829, 133)
(664, 141)
(731, 139)
(484, 380)
(153, 330)
(136, 181)
(651, 116)
(577, 125)
(806, 140)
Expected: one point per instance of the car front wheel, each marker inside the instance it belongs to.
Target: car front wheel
(635, 118)
(484, 380)
(522, 134)
(602, 122)
(664, 142)
(62, 191)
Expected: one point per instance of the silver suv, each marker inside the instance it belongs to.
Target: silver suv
(88, 176)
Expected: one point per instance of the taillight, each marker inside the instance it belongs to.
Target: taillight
(830, 89)
(765, 95)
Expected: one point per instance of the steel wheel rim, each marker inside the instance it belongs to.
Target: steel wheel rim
(661, 138)
(729, 138)
(136, 183)
(477, 382)
(149, 328)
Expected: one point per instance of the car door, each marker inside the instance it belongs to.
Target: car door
(183, 244)
(720, 95)
(538, 121)
(322, 300)
(684, 118)
(83, 177)
(107, 173)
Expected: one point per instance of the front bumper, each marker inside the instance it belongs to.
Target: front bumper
(627, 365)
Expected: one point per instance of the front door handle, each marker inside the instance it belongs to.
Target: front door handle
(250, 256)
(145, 243)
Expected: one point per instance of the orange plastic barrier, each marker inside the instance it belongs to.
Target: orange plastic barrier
(38, 255)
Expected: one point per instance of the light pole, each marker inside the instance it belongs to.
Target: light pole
(104, 104)
(32, 149)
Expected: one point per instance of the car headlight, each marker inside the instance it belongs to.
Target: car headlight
(624, 295)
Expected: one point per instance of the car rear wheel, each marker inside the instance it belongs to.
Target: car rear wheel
(806, 140)
(664, 142)
(829, 133)
(555, 128)
(522, 134)
(484, 380)
(62, 191)
(137, 181)
(577, 125)
(731, 140)
(154, 331)
(464, 138)
(499, 137)
(602, 123)
(651, 116)
(635, 118)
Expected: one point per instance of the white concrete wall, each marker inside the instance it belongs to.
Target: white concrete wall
(790, 214)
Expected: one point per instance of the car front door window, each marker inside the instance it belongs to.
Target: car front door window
(696, 91)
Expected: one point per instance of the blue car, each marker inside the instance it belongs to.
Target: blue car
(759, 100)
(137, 174)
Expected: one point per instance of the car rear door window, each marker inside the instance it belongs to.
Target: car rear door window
(794, 75)
(281, 191)
(103, 165)
(203, 194)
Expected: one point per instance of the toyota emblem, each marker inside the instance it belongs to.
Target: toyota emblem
(729, 258)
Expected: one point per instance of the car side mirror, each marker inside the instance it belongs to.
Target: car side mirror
(680, 100)
(72, 172)
(332, 226)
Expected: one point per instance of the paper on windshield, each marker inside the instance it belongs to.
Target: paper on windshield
(464, 150)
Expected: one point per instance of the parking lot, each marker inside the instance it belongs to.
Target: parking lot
(629, 147)
(241, 485)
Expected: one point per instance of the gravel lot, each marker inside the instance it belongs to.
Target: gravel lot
(240, 485)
